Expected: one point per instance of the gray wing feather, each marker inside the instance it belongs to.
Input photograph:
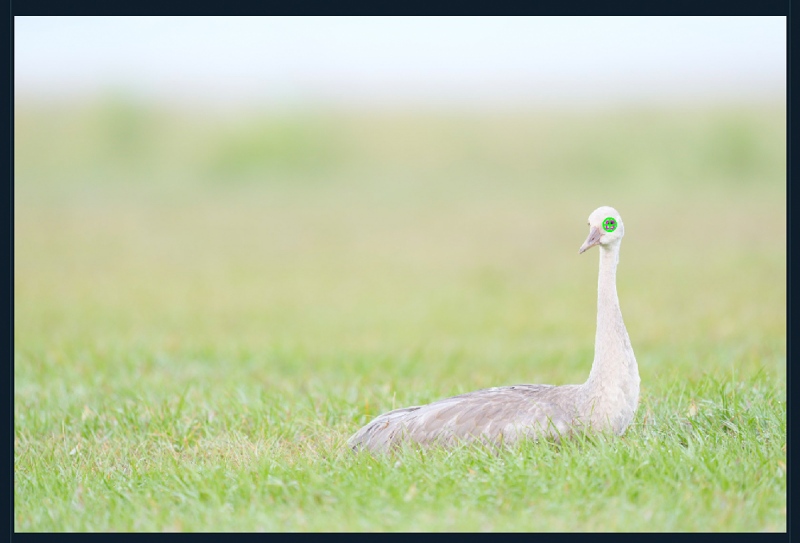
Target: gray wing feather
(493, 415)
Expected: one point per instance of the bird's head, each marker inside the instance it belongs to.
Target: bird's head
(605, 228)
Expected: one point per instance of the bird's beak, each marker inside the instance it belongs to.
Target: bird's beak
(592, 240)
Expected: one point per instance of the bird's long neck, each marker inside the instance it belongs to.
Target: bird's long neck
(613, 356)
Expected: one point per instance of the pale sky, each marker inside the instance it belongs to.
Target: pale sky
(404, 60)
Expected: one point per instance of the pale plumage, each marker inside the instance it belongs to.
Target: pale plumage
(606, 401)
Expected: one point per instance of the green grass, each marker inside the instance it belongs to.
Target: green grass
(206, 308)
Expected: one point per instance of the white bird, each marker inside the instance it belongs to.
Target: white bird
(606, 402)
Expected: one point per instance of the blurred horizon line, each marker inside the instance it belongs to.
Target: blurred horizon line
(121, 95)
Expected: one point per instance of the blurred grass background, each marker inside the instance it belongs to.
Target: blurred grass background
(380, 257)
(397, 227)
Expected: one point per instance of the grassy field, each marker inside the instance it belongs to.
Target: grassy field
(207, 306)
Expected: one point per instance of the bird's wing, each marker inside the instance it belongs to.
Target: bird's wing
(490, 415)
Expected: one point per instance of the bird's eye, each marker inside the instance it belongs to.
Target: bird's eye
(609, 224)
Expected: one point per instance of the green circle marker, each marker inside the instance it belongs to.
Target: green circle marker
(609, 224)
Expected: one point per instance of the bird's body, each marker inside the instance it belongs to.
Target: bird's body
(607, 401)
